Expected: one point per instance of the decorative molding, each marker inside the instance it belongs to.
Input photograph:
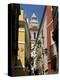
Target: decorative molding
(50, 23)
(21, 42)
(21, 29)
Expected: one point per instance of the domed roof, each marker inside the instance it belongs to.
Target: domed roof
(34, 21)
(33, 15)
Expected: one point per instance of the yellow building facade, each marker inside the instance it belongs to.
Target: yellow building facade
(21, 39)
(24, 43)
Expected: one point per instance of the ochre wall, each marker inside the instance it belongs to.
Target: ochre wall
(21, 46)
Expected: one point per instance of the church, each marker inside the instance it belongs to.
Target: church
(33, 27)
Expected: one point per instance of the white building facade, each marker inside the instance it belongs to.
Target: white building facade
(33, 27)
(41, 48)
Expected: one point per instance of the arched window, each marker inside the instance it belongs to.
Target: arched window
(34, 35)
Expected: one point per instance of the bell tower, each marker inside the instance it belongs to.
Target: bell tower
(33, 27)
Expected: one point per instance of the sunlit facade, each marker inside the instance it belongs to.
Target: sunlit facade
(23, 43)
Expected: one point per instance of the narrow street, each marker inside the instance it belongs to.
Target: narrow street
(33, 49)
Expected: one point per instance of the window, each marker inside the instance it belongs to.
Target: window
(34, 35)
(53, 50)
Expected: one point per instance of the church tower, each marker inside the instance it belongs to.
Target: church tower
(33, 27)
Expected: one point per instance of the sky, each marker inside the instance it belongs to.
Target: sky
(29, 9)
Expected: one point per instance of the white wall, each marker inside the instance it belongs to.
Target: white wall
(45, 31)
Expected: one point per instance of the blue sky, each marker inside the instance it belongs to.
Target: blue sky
(29, 9)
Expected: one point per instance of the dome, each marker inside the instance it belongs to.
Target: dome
(34, 21)
(33, 15)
